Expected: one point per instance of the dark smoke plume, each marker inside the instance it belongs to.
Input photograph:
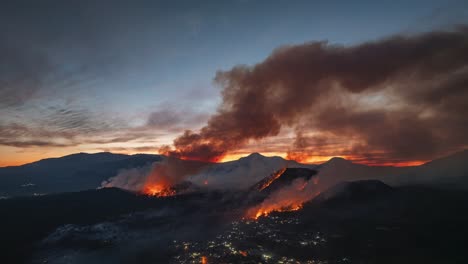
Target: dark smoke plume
(404, 96)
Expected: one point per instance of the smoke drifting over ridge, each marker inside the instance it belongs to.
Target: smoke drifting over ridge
(402, 97)
(156, 178)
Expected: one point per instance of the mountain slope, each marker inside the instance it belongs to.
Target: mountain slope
(349, 192)
(242, 173)
(69, 173)
(87, 171)
(84, 171)
(449, 171)
(283, 178)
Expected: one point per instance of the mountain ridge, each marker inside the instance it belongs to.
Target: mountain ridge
(82, 171)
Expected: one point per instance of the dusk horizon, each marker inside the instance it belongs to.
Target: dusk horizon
(242, 131)
(121, 87)
(237, 157)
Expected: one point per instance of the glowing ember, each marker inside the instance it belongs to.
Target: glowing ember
(243, 253)
(158, 190)
(267, 210)
(288, 198)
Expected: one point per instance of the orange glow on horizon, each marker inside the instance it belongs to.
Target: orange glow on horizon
(10, 157)
(323, 159)
(24, 158)
(394, 164)
(15, 162)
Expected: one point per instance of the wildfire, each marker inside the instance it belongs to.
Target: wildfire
(271, 179)
(204, 260)
(265, 211)
(158, 190)
(290, 198)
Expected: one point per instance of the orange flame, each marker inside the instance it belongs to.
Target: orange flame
(159, 181)
(265, 211)
(272, 178)
(290, 198)
(158, 186)
(204, 260)
(158, 190)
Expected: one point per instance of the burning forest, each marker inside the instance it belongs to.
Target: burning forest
(284, 190)
(323, 87)
(297, 88)
(233, 132)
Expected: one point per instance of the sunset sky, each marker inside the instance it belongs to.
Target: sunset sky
(132, 76)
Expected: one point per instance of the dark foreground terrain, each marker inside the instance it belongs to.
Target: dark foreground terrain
(359, 222)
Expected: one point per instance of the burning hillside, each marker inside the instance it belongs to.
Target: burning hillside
(167, 190)
(285, 190)
(282, 178)
(162, 178)
(158, 190)
(262, 185)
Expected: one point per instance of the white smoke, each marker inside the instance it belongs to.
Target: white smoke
(130, 179)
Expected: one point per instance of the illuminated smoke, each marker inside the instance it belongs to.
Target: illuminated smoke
(288, 198)
(412, 89)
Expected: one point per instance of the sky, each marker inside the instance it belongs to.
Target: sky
(132, 76)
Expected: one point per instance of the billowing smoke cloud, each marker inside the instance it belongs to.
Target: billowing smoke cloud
(400, 97)
(155, 178)
(129, 179)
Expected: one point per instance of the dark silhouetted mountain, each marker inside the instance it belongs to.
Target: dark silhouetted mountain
(355, 191)
(87, 171)
(447, 172)
(26, 220)
(450, 171)
(364, 221)
(84, 171)
(370, 220)
(69, 173)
